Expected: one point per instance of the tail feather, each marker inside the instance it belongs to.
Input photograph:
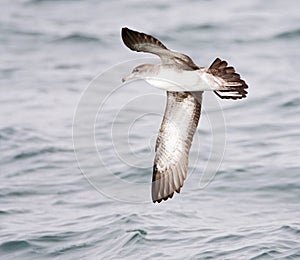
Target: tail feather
(232, 86)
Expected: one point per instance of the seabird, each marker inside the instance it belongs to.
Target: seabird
(185, 82)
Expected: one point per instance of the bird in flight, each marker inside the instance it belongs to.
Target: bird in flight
(185, 83)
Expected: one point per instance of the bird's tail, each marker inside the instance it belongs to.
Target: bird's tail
(232, 86)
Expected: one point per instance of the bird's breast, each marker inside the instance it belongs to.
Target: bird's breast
(181, 80)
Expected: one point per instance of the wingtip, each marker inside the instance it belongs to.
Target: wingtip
(159, 198)
(128, 37)
(124, 30)
(170, 196)
(132, 39)
(127, 31)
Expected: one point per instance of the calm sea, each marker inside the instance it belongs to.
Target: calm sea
(242, 197)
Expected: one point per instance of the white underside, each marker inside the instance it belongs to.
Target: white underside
(172, 80)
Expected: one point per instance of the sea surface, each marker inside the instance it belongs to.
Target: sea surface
(77, 146)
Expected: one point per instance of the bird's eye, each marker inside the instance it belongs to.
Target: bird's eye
(135, 70)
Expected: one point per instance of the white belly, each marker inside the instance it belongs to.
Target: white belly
(173, 80)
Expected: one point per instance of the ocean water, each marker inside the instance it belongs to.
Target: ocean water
(60, 80)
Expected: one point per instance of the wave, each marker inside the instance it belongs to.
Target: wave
(196, 27)
(14, 245)
(6, 132)
(19, 134)
(288, 34)
(290, 229)
(78, 37)
(29, 154)
(292, 103)
(137, 237)
(13, 211)
(45, 1)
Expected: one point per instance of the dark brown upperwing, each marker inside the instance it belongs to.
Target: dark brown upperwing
(138, 41)
(141, 42)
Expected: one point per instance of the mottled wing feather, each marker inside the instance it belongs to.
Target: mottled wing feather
(141, 42)
(174, 142)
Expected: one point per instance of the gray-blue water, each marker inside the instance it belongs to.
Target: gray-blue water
(51, 50)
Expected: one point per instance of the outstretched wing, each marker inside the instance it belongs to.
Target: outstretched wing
(174, 142)
(141, 42)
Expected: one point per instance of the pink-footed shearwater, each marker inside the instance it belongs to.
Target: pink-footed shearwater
(185, 82)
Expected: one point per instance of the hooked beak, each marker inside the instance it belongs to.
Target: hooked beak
(128, 77)
(124, 79)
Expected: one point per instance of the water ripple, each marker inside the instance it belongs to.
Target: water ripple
(292, 34)
(39, 152)
(12, 246)
(78, 38)
(48, 210)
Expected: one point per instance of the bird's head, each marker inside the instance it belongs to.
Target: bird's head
(140, 72)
